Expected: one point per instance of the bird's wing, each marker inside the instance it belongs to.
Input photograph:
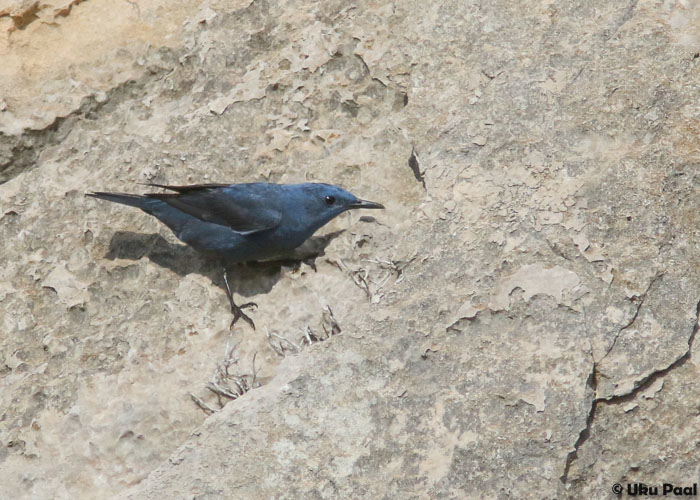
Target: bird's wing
(244, 212)
(185, 189)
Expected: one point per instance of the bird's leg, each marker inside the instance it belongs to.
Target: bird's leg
(237, 310)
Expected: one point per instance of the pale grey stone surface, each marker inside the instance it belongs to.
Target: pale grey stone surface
(518, 323)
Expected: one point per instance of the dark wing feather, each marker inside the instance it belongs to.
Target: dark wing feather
(185, 189)
(244, 213)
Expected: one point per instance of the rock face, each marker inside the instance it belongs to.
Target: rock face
(518, 323)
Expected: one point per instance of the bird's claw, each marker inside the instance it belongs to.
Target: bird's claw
(239, 314)
(237, 310)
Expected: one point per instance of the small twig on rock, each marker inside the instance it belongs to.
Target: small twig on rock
(202, 405)
(255, 372)
(329, 318)
(279, 348)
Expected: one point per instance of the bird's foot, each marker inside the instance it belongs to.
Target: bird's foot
(239, 314)
(237, 310)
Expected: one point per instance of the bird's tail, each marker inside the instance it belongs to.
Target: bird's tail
(133, 200)
(172, 217)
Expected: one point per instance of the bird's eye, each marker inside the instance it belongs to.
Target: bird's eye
(330, 200)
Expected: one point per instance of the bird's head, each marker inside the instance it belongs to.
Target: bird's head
(323, 202)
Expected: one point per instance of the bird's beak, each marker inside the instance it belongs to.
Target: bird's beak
(365, 204)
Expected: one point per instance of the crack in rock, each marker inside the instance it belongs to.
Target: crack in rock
(414, 164)
(583, 436)
(641, 385)
(631, 322)
(20, 153)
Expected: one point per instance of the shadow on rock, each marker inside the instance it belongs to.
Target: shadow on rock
(247, 279)
(252, 278)
(180, 259)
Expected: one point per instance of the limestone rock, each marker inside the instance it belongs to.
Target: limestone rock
(518, 323)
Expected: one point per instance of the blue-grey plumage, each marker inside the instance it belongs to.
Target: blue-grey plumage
(244, 222)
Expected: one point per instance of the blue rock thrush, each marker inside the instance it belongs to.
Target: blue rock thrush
(243, 222)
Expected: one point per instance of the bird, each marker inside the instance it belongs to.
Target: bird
(243, 222)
